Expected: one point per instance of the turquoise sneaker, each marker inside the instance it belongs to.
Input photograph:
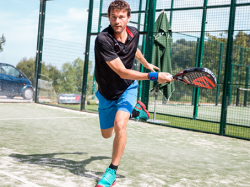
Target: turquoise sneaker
(143, 113)
(108, 178)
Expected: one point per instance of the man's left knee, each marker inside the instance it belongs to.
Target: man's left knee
(120, 128)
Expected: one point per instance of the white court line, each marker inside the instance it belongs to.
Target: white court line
(20, 179)
(41, 118)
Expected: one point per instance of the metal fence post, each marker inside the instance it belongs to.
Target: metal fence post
(196, 65)
(231, 85)
(39, 46)
(139, 16)
(219, 74)
(143, 48)
(241, 60)
(171, 15)
(149, 47)
(99, 30)
(86, 61)
(228, 69)
(197, 93)
(246, 85)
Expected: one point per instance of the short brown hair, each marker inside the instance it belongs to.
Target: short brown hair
(119, 5)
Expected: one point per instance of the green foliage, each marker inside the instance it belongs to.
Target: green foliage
(66, 80)
(2, 42)
(54, 75)
(183, 55)
(72, 75)
(27, 66)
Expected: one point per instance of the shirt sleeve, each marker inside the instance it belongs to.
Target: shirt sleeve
(105, 45)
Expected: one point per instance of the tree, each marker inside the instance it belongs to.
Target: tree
(68, 80)
(240, 56)
(183, 54)
(55, 76)
(72, 75)
(2, 42)
(67, 84)
(242, 39)
(27, 67)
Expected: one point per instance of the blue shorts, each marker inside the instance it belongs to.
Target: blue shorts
(108, 108)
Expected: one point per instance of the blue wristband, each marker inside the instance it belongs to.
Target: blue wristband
(153, 76)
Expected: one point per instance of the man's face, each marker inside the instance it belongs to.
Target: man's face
(118, 20)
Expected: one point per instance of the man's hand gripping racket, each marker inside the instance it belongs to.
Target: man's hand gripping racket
(196, 77)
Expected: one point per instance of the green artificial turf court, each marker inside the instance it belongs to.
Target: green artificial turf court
(49, 146)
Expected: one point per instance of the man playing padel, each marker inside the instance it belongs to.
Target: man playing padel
(115, 51)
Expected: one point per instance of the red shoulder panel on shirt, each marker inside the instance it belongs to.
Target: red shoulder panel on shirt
(129, 32)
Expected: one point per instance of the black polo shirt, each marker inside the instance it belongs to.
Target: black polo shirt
(107, 48)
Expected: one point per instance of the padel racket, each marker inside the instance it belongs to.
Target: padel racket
(197, 77)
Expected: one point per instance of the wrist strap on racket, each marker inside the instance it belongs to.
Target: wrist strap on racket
(153, 76)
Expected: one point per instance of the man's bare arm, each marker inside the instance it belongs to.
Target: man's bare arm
(139, 56)
(117, 66)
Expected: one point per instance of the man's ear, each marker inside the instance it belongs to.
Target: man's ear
(129, 18)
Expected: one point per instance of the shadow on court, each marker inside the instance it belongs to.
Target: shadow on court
(75, 167)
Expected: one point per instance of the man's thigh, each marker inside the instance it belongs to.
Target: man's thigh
(120, 124)
(127, 100)
(107, 111)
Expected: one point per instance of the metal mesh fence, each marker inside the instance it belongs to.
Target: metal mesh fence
(199, 38)
(238, 122)
(61, 73)
(61, 60)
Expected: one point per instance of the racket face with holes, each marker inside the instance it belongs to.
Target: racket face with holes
(197, 77)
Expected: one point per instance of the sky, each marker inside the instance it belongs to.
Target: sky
(66, 25)
(65, 20)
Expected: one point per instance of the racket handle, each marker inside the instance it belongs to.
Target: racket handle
(171, 76)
